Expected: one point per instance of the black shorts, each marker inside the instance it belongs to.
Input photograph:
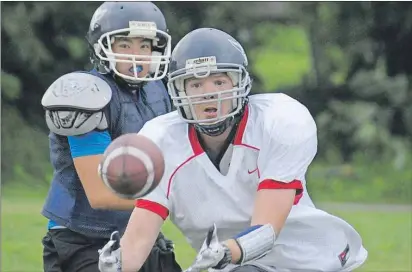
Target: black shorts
(68, 251)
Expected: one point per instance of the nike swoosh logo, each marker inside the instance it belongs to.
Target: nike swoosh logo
(251, 172)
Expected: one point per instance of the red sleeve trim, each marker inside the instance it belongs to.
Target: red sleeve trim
(274, 184)
(158, 209)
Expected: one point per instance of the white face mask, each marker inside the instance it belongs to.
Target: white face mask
(159, 63)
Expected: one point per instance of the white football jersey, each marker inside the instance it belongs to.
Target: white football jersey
(275, 143)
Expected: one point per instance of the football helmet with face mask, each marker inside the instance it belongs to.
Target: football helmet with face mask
(129, 19)
(199, 54)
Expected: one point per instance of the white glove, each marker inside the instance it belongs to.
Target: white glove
(110, 255)
(212, 254)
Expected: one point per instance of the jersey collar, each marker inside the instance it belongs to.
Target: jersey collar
(194, 140)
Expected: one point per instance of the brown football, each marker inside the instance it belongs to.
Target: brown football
(132, 166)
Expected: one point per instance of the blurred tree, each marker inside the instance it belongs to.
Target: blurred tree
(40, 42)
(361, 101)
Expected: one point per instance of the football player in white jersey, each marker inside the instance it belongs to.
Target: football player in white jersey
(234, 180)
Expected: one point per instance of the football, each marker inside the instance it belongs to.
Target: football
(132, 166)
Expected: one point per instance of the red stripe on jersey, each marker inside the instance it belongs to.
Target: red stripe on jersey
(241, 129)
(197, 150)
(174, 172)
(155, 207)
(194, 142)
(274, 184)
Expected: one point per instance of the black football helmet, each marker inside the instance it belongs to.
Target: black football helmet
(200, 53)
(131, 19)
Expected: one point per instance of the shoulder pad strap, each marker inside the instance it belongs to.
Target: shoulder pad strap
(74, 104)
(77, 91)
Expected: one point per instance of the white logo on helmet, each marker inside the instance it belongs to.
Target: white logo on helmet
(239, 47)
(96, 17)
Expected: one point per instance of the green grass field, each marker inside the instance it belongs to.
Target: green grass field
(387, 236)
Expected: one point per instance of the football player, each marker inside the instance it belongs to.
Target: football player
(85, 110)
(234, 181)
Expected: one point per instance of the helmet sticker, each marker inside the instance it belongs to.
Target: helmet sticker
(142, 29)
(201, 65)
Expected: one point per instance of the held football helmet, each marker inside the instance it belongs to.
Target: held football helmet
(130, 19)
(200, 53)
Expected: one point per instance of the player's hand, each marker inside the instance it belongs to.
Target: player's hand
(110, 256)
(212, 254)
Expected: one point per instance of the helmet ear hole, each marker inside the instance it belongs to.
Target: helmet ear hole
(180, 85)
(234, 77)
(161, 42)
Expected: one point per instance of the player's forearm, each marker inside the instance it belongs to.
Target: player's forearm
(112, 202)
(99, 196)
(139, 237)
(134, 253)
(273, 206)
(103, 198)
(280, 203)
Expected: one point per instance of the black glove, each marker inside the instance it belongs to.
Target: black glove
(162, 257)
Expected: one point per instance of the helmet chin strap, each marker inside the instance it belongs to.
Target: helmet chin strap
(218, 128)
(215, 129)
